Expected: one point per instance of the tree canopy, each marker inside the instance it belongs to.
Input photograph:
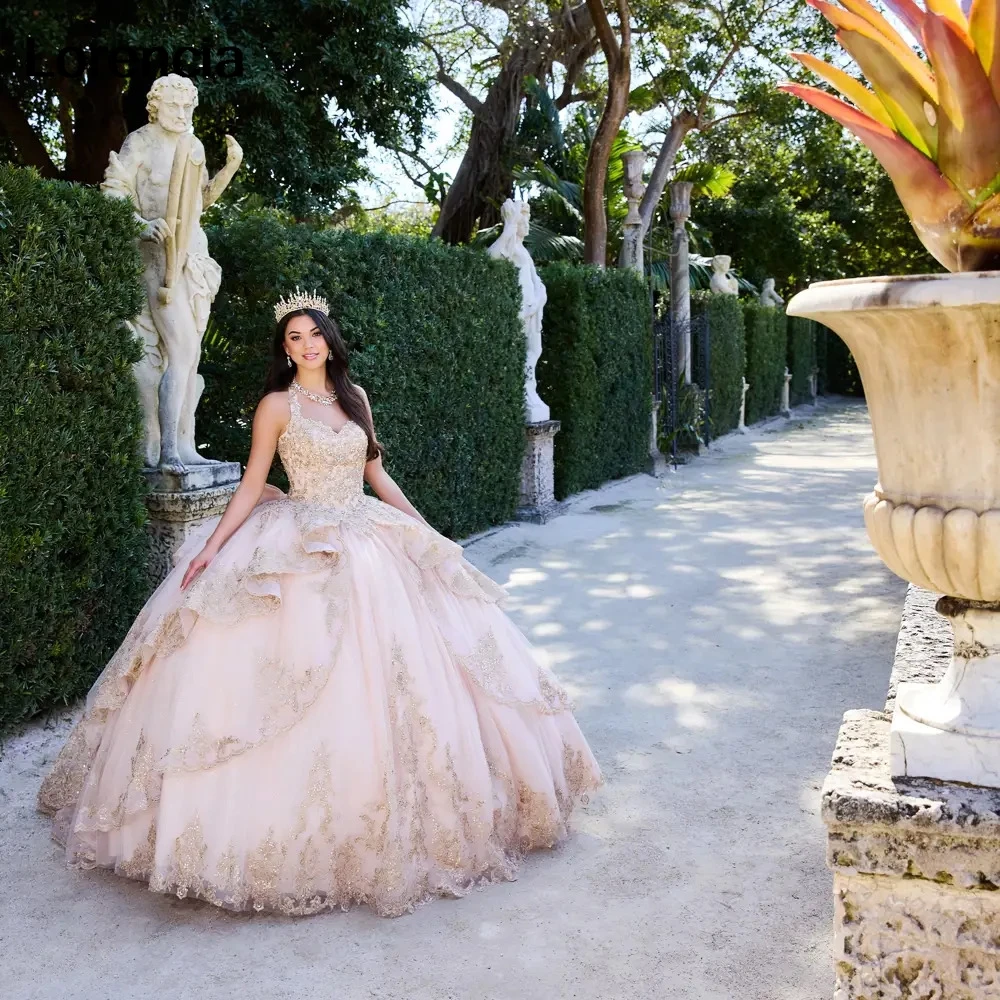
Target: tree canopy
(809, 201)
(302, 86)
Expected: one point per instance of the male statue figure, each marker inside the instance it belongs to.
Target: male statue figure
(510, 246)
(161, 170)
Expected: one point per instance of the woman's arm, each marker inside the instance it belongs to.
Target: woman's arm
(382, 483)
(269, 420)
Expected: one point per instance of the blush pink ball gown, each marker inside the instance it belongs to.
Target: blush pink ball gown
(336, 711)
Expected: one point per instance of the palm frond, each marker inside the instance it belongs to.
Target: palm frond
(546, 246)
(546, 107)
(547, 179)
(710, 180)
(542, 243)
(700, 271)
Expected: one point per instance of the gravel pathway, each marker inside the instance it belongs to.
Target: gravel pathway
(713, 626)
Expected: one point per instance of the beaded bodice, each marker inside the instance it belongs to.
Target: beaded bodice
(323, 464)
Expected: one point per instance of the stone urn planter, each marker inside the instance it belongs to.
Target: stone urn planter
(928, 352)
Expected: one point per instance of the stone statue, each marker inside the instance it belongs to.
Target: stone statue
(510, 246)
(786, 401)
(161, 170)
(745, 386)
(768, 296)
(722, 283)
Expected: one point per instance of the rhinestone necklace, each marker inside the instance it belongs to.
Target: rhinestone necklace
(327, 399)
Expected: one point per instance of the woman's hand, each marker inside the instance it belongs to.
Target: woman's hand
(198, 563)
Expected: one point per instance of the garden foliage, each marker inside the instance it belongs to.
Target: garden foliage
(435, 341)
(595, 373)
(73, 545)
(766, 351)
(727, 356)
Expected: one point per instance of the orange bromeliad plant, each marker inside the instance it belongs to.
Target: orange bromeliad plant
(934, 128)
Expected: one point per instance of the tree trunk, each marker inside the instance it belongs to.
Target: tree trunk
(619, 60)
(484, 177)
(98, 128)
(682, 124)
(29, 147)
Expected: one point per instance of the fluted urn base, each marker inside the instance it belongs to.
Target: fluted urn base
(951, 730)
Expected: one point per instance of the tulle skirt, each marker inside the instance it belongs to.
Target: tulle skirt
(337, 711)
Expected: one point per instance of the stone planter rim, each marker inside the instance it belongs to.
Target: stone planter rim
(904, 291)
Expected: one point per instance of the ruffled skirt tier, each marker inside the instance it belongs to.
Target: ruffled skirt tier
(336, 711)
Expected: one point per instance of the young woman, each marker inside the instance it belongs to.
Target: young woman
(323, 703)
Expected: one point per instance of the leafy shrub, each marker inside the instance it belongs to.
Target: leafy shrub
(766, 353)
(435, 341)
(801, 357)
(595, 373)
(73, 545)
(841, 374)
(727, 356)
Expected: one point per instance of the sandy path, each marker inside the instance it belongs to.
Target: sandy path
(713, 626)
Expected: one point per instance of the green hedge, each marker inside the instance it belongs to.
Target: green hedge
(73, 545)
(802, 335)
(821, 359)
(435, 339)
(595, 373)
(727, 357)
(567, 377)
(766, 339)
(621, 314)
(840, 372)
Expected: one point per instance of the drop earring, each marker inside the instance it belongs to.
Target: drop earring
(288, 357)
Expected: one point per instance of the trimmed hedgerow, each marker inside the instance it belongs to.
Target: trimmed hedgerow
(435, 341)
(595, 373)
(567, 378)
(727, 356)
(766, 358)
(840, 373)
(73, 545)
(801, 357)
(821, 362)
(621, 314)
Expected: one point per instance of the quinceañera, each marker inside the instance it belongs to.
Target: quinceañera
(324, 703)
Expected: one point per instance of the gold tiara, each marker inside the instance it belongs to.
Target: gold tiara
(300, 300)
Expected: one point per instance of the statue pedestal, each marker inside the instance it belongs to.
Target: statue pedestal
(180, 501)
(538, 501)
(657, 464)
(916, 861)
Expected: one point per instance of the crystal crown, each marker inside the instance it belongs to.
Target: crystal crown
(300, 300)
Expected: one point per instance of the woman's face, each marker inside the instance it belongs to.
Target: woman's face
(305, 343)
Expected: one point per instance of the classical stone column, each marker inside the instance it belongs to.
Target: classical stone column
(178, 502)
(634, 161)
(680, 276)
(915, 862)
(632, 259)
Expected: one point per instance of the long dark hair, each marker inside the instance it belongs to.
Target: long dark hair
(279, 374)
